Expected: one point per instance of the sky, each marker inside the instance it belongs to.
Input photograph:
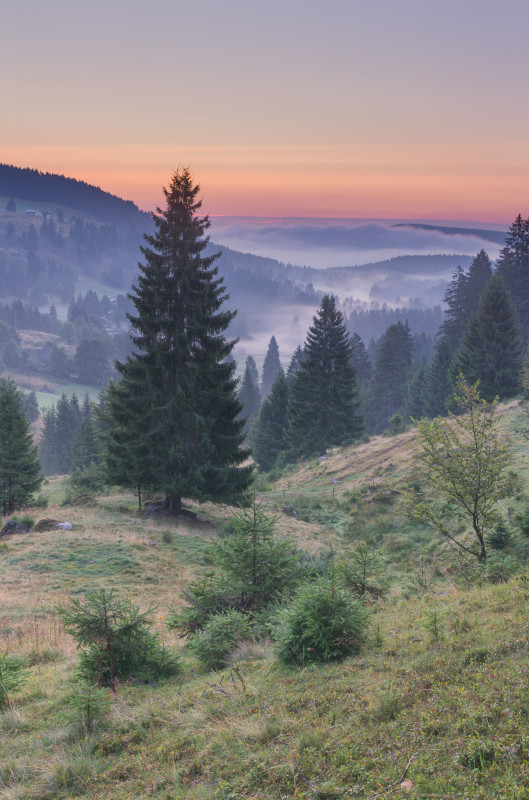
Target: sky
(291, 108)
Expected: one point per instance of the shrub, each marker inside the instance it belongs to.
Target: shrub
(26, 520)
(499, 537)
(259, 567)
(12, 677)
(220, 635)
(360, 570)
(41, 501)
(89, 702)
(499, 567)
(323, 623)
(115, 639)
(206, 597)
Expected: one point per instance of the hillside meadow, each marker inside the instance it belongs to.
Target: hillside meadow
(435, 705)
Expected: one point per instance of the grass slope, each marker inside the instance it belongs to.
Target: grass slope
(436, 704)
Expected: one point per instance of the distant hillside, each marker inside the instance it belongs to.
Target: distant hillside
(45, 187)
(498, 237)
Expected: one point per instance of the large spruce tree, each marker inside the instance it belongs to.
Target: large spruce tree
(184, 406)
(491, 350)
(20, 471)
(323, 406)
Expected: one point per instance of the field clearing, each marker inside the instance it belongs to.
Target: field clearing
(428, 709)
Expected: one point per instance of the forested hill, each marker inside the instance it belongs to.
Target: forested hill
(45, 187)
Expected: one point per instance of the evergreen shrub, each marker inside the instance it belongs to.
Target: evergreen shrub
(219, 636)
(322, 623)
(115, 640)
(12, 677)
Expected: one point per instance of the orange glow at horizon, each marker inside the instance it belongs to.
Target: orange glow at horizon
(481, 182)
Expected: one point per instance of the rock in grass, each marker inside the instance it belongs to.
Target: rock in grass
(64, 526)
(13, 527)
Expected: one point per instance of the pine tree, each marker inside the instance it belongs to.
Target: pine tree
(456, 316)
(250, 362)
(68, 421)
(438, 389)
(271, 367)
(513, 266)
(295, 362)
(390, 377)
(31, 407)
(250, 400)
(416, 390)
(47, 444)
(58, 432)
(86, 447)
(181, 386)
(20, 470)
(491, 350)
(478, 275)
(361, 361)
(323, 407)
(270, 436)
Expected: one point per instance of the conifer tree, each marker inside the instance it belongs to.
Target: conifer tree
(127, 457)
(31, 407)
(271, 367)
(456, 316)
(361, 361)
(179, 380)
(491, 350)
(438, 389)
(250, 362)
(390, 377)
(295, 362)
(86, 447)
(513, 266)
(20, 470)
(58, 432)
(478, 275)
(416, 391)
(250, 400)
(270, 436)
(323, 406)
(47, 444)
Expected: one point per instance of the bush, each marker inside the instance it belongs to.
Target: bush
(323, 623)
(89, 703)
(206, 597)
(221, 634)
(12, 677)
(499, 537)
(115, 640)
(25, 520)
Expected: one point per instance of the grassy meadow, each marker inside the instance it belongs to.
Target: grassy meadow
(436, 705)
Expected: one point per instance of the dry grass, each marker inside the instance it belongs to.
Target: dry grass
(257, 730)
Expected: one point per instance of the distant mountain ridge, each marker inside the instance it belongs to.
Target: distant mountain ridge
(46, 187)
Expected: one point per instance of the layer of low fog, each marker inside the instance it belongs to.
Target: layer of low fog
(323, 243)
